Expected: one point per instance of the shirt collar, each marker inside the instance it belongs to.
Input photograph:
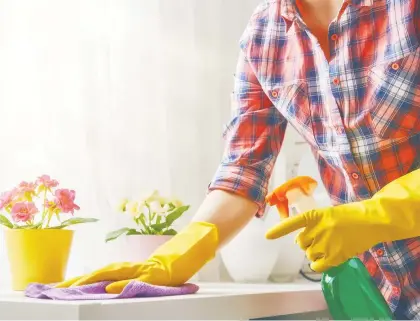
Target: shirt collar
(288, 7)
(289, 12)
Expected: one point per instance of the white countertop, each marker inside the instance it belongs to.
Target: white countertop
(216, 301)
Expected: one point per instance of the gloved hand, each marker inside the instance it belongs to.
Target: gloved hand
(172, 264)
(333, 235)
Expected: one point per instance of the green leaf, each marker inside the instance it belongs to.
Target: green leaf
(158, 227)
(5, 221)
(170, 232)
(114, 234)
(26, 227)
(143, 222)
(152, 217)
(134, 232)
(75, 220)
(175, 214)
(34, 226)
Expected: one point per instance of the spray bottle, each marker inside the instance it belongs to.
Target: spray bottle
(348, 289)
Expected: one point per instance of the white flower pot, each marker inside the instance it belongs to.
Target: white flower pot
(136, 248)
(250, 257)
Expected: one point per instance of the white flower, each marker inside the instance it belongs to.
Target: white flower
(122, 207)
(144, 210)
(149, 197)
(132, 208)
(166, 207)
(155, 207)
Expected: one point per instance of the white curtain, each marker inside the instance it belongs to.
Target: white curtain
(114, 97)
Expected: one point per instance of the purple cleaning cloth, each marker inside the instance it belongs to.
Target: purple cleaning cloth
(96, 291)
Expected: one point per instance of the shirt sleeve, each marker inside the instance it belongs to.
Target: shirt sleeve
(253, 139)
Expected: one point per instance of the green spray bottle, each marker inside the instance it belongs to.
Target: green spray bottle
(348, 289)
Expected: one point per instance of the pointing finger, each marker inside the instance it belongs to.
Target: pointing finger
(287, 226)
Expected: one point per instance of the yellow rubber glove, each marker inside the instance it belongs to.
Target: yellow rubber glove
(172, 264)
(333, 235)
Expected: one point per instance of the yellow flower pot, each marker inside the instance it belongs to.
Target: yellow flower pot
(39, 256)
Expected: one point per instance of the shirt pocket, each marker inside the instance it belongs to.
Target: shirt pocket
(292, 101)
(395, 101)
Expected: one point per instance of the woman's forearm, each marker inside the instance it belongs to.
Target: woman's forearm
(228, 211)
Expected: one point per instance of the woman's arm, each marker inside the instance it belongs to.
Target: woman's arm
(228, 211)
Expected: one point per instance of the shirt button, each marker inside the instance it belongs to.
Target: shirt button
(396, 290)
(380, 252)
(336, 81)
(395, 66)
(334, 37)
(274, 93)
(355, 175)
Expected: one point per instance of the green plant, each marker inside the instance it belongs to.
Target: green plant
(153, 215)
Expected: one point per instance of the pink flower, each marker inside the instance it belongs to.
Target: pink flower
(65, 200)
(47, 181)
(23, 211)
(27, 187)
(7, 197)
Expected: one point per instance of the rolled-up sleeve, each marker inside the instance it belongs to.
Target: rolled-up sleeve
(253, 139)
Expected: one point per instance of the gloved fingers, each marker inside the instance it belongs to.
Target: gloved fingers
(316, 253)
(304, 240)
(89, 279)
(321, 265)
(287, 226)
(97, 276)
(313, 254)
(68, 283)
(112, 272)
(116, 287)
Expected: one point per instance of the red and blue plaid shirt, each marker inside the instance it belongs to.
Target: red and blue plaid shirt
(360, 113)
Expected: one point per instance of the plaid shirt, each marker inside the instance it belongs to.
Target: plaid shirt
(359, 112)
